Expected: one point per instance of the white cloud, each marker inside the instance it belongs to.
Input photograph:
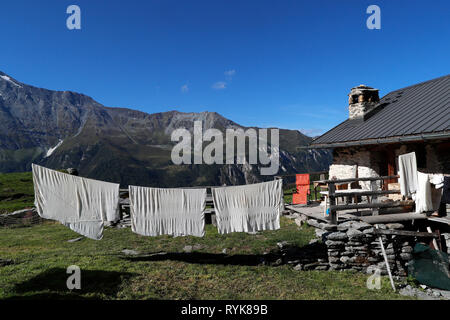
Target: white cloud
(184, 88)
(230, 73)
(219, 85)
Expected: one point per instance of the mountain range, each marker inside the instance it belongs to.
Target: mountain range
(64, 129)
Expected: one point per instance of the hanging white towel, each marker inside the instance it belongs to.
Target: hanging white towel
(249, 208)
(79, 203)
(408, 173)
(176, 212)
(423, 200)
(437, 180)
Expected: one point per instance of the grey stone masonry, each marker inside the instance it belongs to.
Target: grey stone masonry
(354, 246)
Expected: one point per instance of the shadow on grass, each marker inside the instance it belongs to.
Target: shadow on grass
(305, 254)
(202, 258)
(51, 284)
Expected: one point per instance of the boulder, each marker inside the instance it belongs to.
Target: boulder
(128, 252)
(358, 225)
(353, 233)
(395, 226)
(337, 236)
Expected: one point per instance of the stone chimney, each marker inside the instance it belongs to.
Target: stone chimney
(361, 100)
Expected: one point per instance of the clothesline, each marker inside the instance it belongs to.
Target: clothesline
(84, 205)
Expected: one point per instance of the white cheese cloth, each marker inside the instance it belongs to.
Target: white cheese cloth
(79, 203)
(176, 212)
(407, 165)
(423, 200)
(249, 208)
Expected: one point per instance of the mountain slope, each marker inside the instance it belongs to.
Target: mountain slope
(61, 129)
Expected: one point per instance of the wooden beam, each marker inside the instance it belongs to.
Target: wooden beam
(332, 197)
(395, 217)
(406, 233)
(366, 193)
(370, 205)
(359, 179)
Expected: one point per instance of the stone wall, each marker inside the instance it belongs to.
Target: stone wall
(348, 161)
(353, 245)
(433, 157)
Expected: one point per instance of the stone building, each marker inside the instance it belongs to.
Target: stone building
(415, 118)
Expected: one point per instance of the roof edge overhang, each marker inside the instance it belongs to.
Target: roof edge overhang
(397, 139)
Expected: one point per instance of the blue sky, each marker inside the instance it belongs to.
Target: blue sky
(281, 63)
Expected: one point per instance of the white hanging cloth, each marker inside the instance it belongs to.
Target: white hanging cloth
(79, 203)
(423, 200)
(408, 173)
(176, 212)
(249, 208)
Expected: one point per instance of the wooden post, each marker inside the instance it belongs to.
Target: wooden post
(374, 198)
(332, 196)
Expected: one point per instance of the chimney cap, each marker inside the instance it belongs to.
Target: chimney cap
(362, 88)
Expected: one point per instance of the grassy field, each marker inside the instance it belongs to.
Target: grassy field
(16, 191)
(41, 255)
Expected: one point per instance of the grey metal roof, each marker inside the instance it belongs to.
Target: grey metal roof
(421, 110)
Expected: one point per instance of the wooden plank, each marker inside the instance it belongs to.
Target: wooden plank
(366, 193)
(396, 217)
(440, 220)
(406, 233)
(370, 205)
(359, 179)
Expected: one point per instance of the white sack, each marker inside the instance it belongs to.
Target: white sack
(407, 165)
(249, 208)
(79, 203)
(176, 212)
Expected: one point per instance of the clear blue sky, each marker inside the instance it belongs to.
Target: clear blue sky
(292, 63)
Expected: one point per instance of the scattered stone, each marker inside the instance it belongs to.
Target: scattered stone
(314, 241)
(313, 223)
(5, 262)
(406, 256)
(327, 226)
(368, 231)
(76, 239)
(188, 249)
(225, 251)
(282, 244)
(292, 215)
(278, 262)
(337, 236)
(300, 220)
(128, 252)
(395, 226)
(320, 233)
(332, 243)
(198, 247)
(322, 268)
(407, 249)
(298, 267)
(358, 225)
(354, 234)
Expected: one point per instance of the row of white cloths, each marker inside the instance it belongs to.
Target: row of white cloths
(79, 203)
(179, 212)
